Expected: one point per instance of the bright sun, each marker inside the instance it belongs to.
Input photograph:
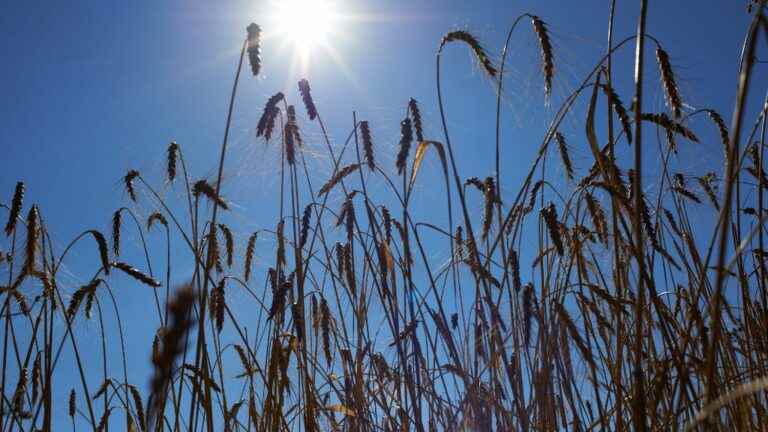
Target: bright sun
(307, 24)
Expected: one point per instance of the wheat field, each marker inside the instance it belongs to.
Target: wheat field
(634, 300)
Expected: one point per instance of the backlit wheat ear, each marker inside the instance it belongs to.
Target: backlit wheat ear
(474, 44)
(338, 177)
(217, 305)
(72, 406)
(156, 217)
(574, 333)
(489, 188)
(173, 338)
(664, 121)
(267, 119)
(668, 81)
(717, 119)
(365, 133)
(254, 47)
(406, 138)
(290, 144)
(116, 224)
(413, 107)
(279, 296)
(294, 125)
(33, 234)
(621, 112)
(553, 226)
(79, 296)
(514, 265)
(598, 218)
(707, 182)
(249, 251)
(529, 302)
(128, 181)
(325, 326)
(136, 274)
(16, 203)
(213, 247)
(306, 96)
(101, 242)
(229, 243)
(139, 406)
(304, 233)
(202, 187)
(563, 147)
(547, 63)
(173, 154)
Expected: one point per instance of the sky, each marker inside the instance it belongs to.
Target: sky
(92, 89)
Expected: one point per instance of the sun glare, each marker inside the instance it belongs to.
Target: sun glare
(306, 24)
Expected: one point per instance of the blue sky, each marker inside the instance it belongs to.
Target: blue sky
(93, 88)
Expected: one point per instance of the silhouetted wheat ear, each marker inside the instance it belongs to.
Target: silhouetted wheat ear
(136, 274)
(172, 344)
(254, 47)
(529, 301)
(79, 296)
(365, 133)
(553, 226)
(139, 407)
(229, 243)
(338, 177)
(621, 112)
(565, 318)
(406, 138)
(116, 224)
(290, 144)
(563, 147)
(101, 242)
(489, 189)
(668, 81)
(128, 181)
(717, 119)
(707, 182)
(16, 203)
(202, 187)
(413, 107)
(474, 44)
(279, 296)
(213, 248)
(514, 265)
(33, 233)
(72, 406)
(547, 63)
(298, 321)
(597, 215)
(267, 119)
(156, 217)
(217, 305)
(304, 233)
(294, 124)
(249, 250)
(664, 121)
(173, 154)
(306, 96)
